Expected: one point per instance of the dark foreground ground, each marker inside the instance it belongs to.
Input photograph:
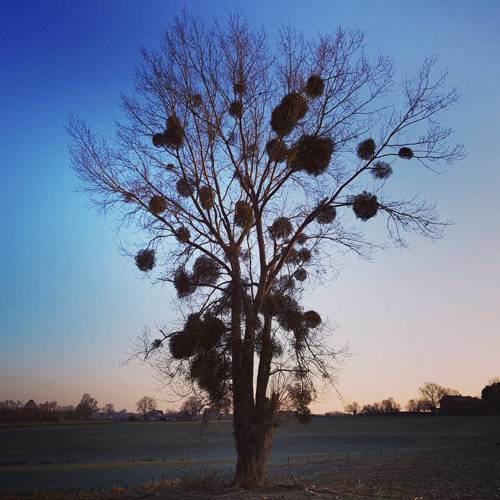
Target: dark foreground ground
(471, 472)
(401, 456)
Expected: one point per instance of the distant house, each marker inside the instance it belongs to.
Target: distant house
(462, 405)
(171, 417)
(154, 416)
(184, 416)
(114, 416)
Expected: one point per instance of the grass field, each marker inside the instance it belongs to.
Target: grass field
(126, 454)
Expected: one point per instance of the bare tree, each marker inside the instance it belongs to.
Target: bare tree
(193, 406)
(353, 408)
(371, 409)
(412, 405)
(145, 405)
(431, 394)
(243, 166)
(491, 393)
(86, 406)
(390, 406)
(109, 409)
(417, 405)
(385, 406)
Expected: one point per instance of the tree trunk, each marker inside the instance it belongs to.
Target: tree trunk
(252, 424)
(253, 446)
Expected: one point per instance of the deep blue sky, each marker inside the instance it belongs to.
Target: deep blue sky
(69, 302)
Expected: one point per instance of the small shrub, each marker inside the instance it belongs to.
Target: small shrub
(182, 345)
(293, 256)
(277, 150)
(315, 86)
(304, 254)
(206, 196)
(251, 151)
(211, 332)
(183, 234)
(366, 149)
(300, 275)
(196, 100)
(145, 260)
(157, 204)
(285, 116)
(281, 228)
(290, 319)
(156, 343)
(174, 133)
(285, 282)
(312, 319)
(406, 153)
(183, 283)
(183, 187)
(236, 109)
(312, 154)
(158, 140)
(243, 214)
(326, 215)
(365, 206)
(277, 302)
(302, 239)
(205, 270)
(381, 170)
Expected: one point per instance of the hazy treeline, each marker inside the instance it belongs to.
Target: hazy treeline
(434, 398)
(51, 411)
(193, 408)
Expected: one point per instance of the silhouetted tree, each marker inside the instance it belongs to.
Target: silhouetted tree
(192, 406)
(86, 407)
(386, 406)
(30, 411)
(417, 405)
(353, 408)
(109, 409)
(371, 409)
(48, 411)
(491, 394)
(389, 406)
(145, 405)
(246, 168)
(11, 411)
(69, 412)
(431, 394)
(16, 411)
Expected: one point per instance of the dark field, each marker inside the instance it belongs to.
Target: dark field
(108, 455)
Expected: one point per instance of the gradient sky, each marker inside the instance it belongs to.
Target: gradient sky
(70, 303)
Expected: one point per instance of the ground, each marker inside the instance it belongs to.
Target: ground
(367, 457)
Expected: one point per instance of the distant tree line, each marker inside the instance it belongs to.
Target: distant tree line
(193, 408)
(435, 398)
(383, 407)
(51, 411)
